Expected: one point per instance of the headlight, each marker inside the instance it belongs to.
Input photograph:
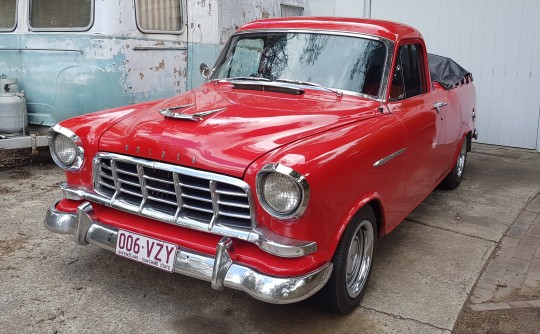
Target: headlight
(283, 192)
(66, 148)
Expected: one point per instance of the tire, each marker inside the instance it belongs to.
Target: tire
(353, 262)
(453, 179)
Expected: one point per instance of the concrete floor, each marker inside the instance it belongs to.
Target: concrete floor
(423, 274)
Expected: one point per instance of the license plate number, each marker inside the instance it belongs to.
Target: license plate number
(150, 251)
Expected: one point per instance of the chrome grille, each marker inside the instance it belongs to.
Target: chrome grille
(170, 193)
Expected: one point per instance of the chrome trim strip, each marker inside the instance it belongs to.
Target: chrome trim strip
(292, 174)
(314, 31)
(220, 270)
(265, 239)
(388, 158)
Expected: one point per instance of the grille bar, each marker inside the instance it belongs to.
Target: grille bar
(177, 193)
(230, 193)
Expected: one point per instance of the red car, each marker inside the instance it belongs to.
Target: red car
(311, 139)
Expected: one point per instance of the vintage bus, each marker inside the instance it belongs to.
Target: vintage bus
(73, 57)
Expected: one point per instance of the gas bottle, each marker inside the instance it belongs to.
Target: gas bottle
(13, 113)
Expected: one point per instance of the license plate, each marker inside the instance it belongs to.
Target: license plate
(150, 251)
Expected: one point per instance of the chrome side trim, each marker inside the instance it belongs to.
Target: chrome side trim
(266, 240)
(220, 270)
(388, 158)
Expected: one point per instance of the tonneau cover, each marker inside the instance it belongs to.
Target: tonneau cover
(447, 72)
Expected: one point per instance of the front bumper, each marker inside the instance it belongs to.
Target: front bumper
(220, 270)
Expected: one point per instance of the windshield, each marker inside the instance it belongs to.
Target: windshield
(347, 63)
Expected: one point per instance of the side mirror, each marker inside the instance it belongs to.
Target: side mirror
(205, 70)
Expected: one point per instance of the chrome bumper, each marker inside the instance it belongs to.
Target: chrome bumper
(220, 270)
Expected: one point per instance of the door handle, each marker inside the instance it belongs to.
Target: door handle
(438, 106)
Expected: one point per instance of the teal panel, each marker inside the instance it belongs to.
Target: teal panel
(200, 53)
(77, 74)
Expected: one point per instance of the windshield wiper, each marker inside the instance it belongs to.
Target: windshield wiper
(313, 84)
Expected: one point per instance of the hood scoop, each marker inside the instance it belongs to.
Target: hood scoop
(171, 113)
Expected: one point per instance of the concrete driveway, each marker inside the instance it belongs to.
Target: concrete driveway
(424, 270)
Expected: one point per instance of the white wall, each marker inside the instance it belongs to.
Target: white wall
(346, 8)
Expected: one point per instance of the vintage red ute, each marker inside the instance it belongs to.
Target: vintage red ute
(312, 138)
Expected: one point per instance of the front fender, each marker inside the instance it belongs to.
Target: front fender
(339, 167)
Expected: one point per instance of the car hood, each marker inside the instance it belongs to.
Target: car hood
(233, 126)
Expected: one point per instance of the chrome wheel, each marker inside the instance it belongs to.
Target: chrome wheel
(359, 258)
(460, 164)
(353, 261)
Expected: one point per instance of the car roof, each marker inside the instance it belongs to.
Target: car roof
(393, 31)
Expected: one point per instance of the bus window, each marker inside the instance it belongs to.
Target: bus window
(64, 15)
(8, 15)
(159, 16)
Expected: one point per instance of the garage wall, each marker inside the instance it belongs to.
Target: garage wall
(499, 42)
(348, 8)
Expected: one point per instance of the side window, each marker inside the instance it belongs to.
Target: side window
(159, 16)
(66, 15)
(408, 79)
(8, 15)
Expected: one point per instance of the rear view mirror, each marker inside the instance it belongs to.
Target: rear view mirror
(205, 70)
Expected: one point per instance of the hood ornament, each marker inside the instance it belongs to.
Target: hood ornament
(169, 112)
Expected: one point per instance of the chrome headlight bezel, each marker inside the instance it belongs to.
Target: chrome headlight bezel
(293, 176)
(77, 163)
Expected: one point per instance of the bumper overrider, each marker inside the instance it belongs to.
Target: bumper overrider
(220, 270)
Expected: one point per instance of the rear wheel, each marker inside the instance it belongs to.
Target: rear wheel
(352, 262)
(453, 179)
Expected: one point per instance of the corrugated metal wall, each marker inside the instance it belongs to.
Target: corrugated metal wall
(499, 42)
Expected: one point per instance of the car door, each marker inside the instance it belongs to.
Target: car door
(411, 101)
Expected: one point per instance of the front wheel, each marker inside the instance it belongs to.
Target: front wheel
(453, 179)
(352, 261)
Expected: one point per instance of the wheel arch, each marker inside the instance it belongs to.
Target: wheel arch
(375, 203)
